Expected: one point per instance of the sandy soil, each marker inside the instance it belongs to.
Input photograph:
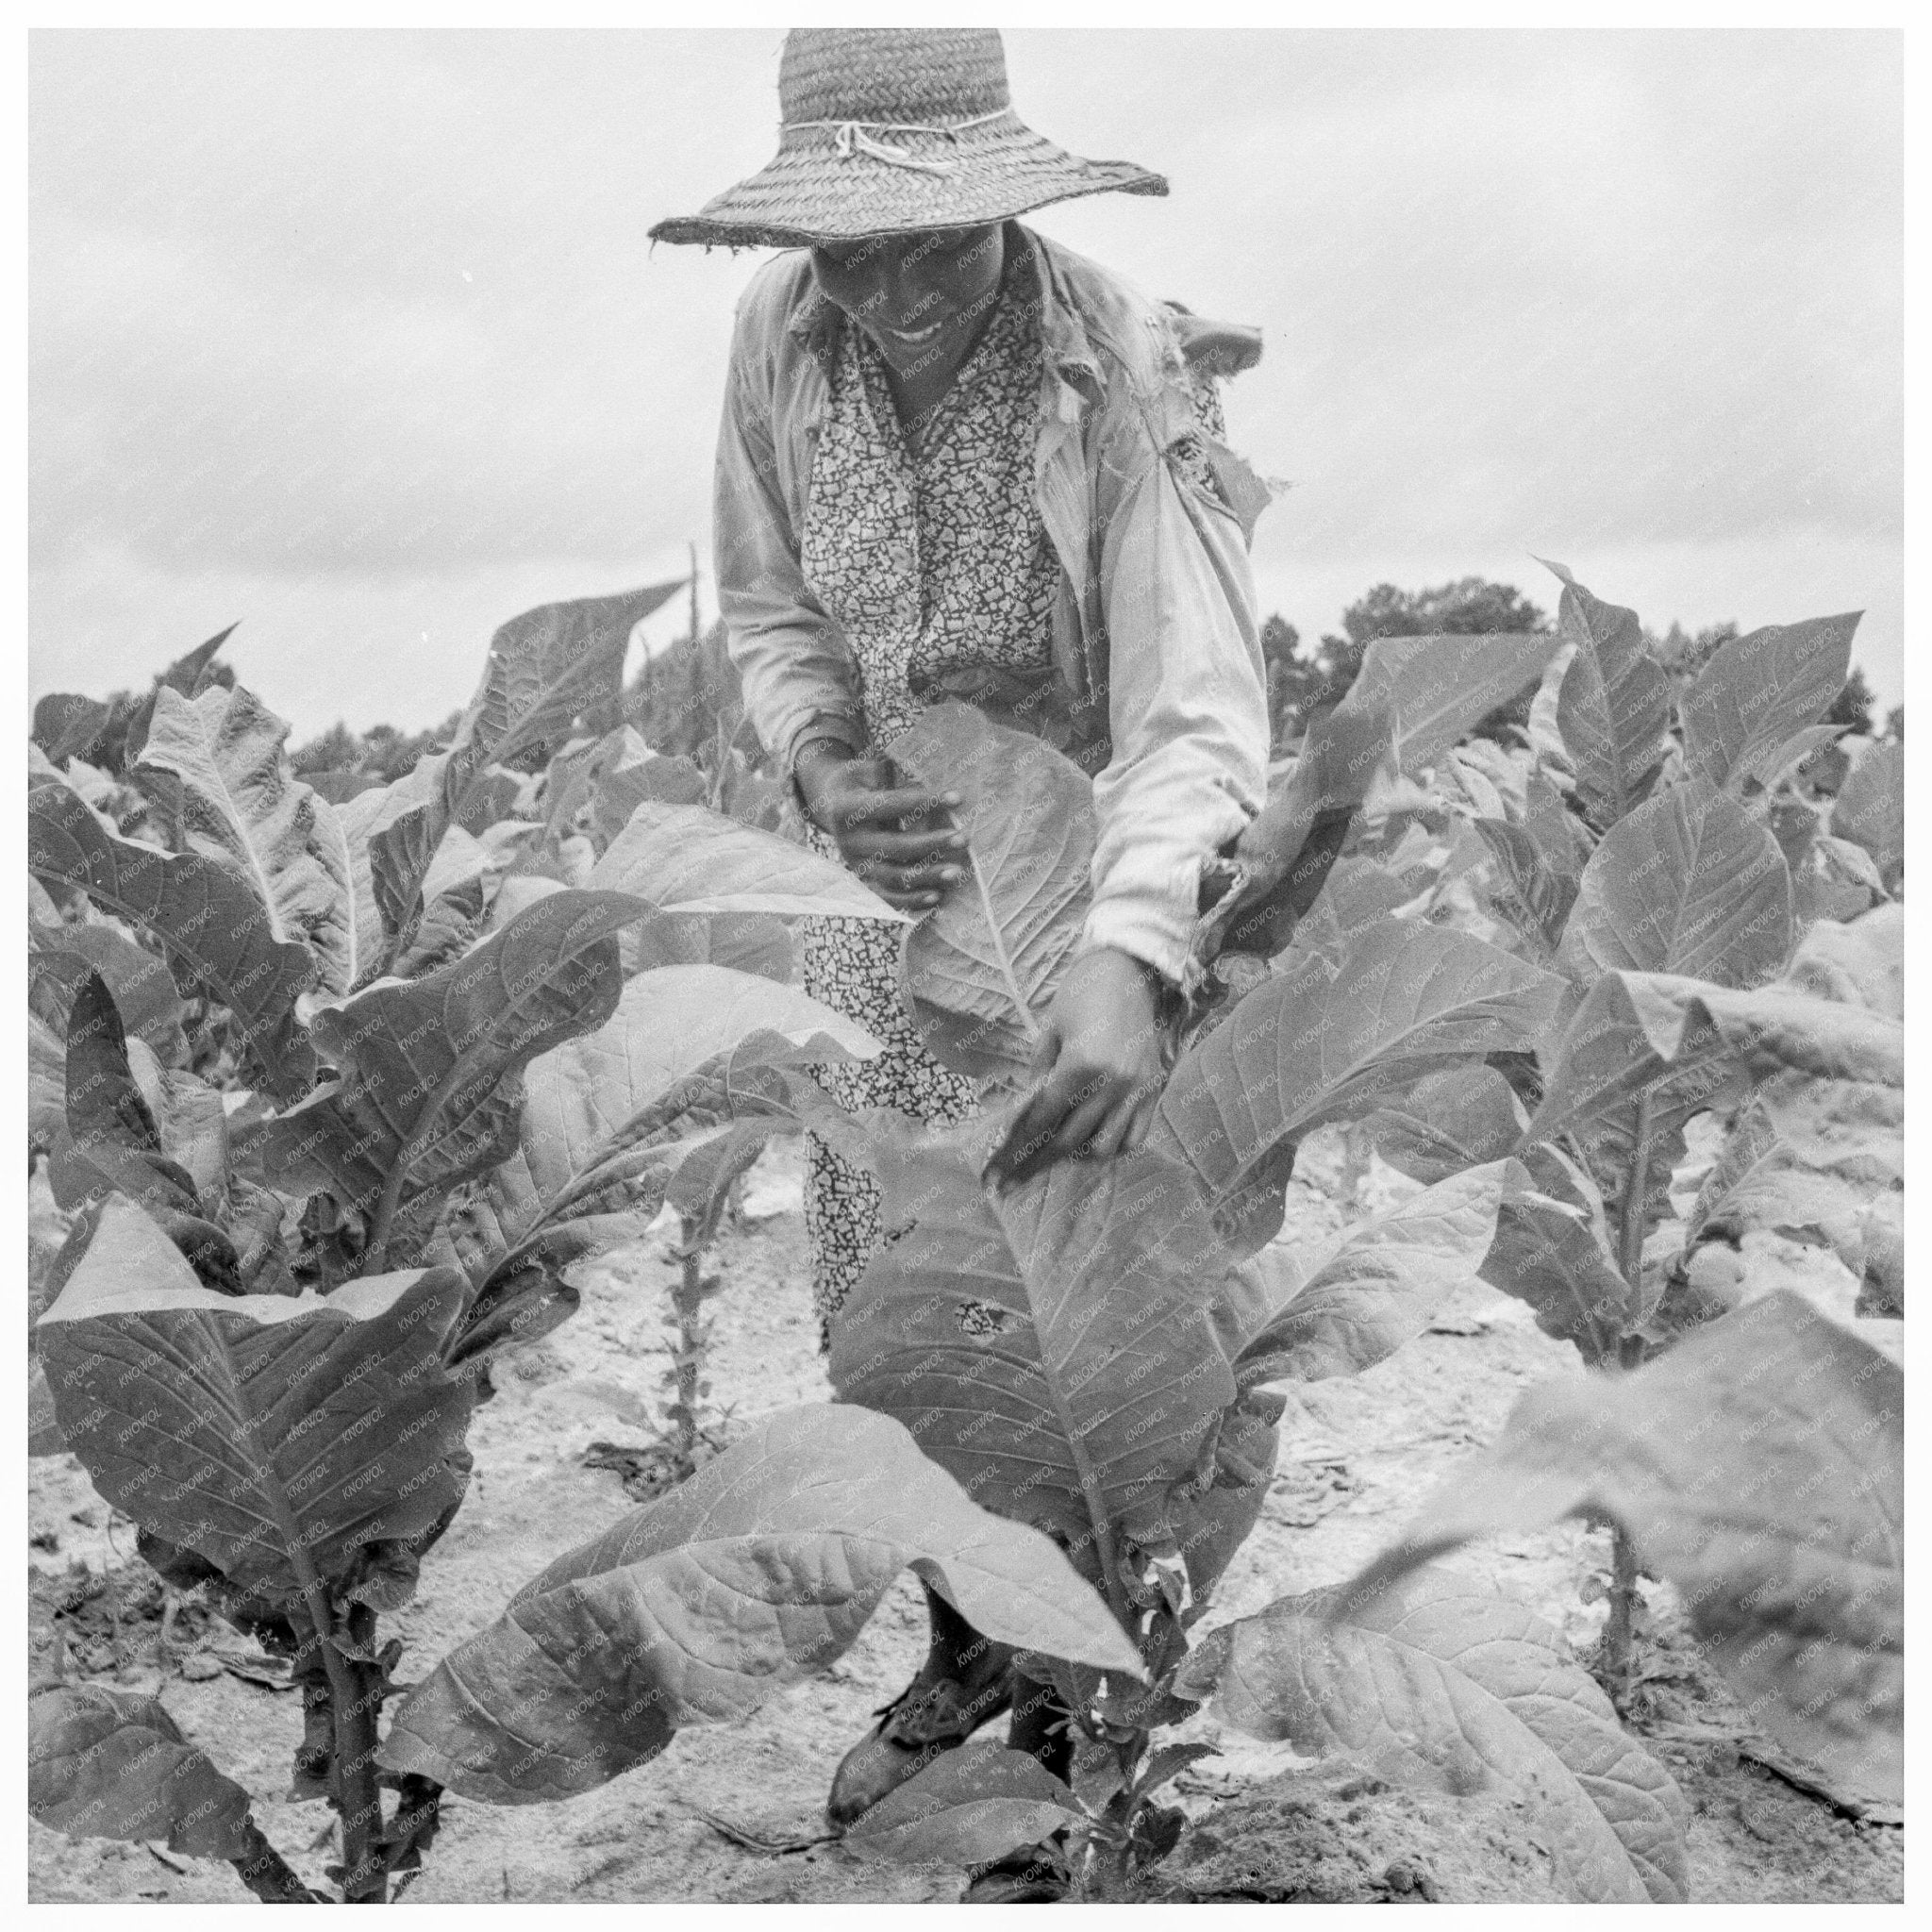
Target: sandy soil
(734, 1814)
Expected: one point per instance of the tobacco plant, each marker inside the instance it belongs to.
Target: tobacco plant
(1689, 884)
(336, 1095)
(1088, 1354)
(1058, 1403)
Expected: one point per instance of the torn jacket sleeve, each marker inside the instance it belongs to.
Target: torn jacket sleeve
(1188, 704)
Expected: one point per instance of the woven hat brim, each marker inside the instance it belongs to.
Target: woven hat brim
(811, 192)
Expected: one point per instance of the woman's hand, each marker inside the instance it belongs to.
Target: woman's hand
(878, 824)
(1097, 1072)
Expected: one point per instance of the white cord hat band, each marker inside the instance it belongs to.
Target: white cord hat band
(850, 137)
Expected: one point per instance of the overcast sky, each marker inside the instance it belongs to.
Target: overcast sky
(356, 337)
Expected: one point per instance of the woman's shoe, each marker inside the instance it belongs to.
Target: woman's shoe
(1031, 1874)
(964, 1682)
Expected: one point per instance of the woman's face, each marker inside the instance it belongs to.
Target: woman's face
(916, 295)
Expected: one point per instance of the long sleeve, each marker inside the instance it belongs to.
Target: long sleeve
(794, 667)
(1187, 697)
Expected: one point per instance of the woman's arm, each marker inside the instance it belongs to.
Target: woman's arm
(1189, 716)
(1188, 706)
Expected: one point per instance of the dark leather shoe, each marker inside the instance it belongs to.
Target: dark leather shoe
(965, 1681)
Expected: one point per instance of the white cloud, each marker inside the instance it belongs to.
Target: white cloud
(356, 335)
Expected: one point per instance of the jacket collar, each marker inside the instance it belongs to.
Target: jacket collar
(816, 321)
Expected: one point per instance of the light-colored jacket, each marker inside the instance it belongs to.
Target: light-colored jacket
(1157, 686)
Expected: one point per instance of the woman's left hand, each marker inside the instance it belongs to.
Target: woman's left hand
(1097, 1071)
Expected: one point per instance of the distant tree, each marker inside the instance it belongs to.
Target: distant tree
(1470, 607)
(1896, 723)
(1684, 653)
(336, 750)
(382, 752)
(1467, 608)
(1852, 705)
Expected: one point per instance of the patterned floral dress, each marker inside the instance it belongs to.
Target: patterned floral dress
(932, 556)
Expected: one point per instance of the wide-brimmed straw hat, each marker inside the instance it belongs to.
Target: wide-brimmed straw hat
(891, 130)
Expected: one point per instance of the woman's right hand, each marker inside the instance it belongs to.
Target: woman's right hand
(884, 831)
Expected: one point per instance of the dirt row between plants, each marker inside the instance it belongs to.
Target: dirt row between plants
(734, 1815)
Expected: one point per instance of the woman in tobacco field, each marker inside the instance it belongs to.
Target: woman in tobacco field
(958, 460)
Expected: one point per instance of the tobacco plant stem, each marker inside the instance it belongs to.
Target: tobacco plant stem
(1623, 1597)
(688, 1299)
(354, 1692)
(1115, 1864)
(352, 1714)
(1616, 1649)
(1630, 1215)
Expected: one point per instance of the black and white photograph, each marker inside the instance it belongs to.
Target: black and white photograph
(966, 964)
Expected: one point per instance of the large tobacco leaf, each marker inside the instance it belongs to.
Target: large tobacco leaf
(1860, 963)
(1441, 1682)
(634, 776)
(1357, 893)
(415, 801)
(1637, 1032)
(144, 992)
(967, 1807)
(980, 969)
(406, 848)
(757, 942)
(46, 1086)
(610, 1116)
(1440, 687)
(1062, 1348)
(1305, 1048)
(109, 1763)
(110, 1142)
(190, 674)
(1835, 880)
(289, 1440)
(750, 1577)
(1870, 811)
(1760, 1467)
(1758, 1180)
(1552, 1251)
(1647, 1051)
(685, 858)
(594, 785)
(546, 668)
(240, 804)
(553, 664)
(1353, 1303)
(1532, 891)
(1746, 718)
(1552, 1245)
(1688, 882)
(1614, 707)
(1447, 1120)
(428, 1092)
(208, 922)
(68, 726)
(1285, 856)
